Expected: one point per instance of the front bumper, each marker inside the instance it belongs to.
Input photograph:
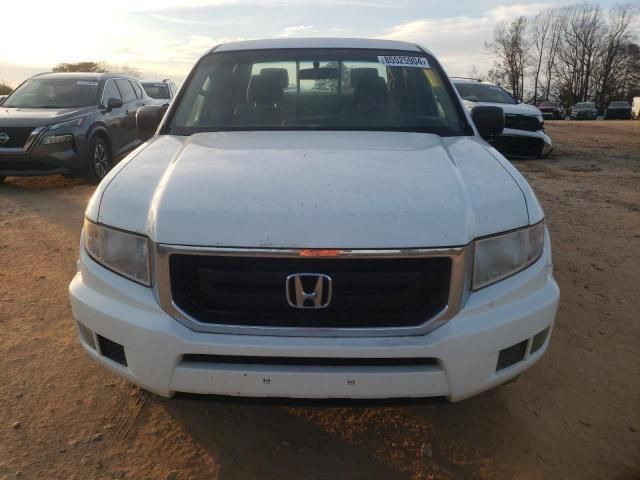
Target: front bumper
(583, 116)
(523, 143)
(618, 114)
(54, 159)
(552, 115)
(465, 350)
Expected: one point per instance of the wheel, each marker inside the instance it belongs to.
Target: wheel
(98, 161)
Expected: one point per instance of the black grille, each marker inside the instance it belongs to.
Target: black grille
(522, 122)
(18, 136)
(367, 293)
(518, 146)
(310, 361)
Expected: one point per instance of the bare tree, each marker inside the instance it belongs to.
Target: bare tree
(121, 68)
(474, 73)
(574, 54)
(540, 27)
(612, 72)
(510, 47)
(581, 48)
(558, 25)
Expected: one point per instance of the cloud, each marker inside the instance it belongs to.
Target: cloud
(459, 41)
(296, 30)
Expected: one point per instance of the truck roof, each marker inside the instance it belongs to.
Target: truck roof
(276, 43)
(97, 76)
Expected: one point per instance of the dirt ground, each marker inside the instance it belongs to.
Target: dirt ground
(575, 415)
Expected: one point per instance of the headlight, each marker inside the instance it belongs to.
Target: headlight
(53, 139)
(124, 253)
(76, 122)
(503, 255)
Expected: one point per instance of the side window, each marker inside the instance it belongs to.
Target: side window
(137, 88)
(128, 93)
(110, 91)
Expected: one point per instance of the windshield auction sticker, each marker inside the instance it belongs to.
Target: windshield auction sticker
(402, 61)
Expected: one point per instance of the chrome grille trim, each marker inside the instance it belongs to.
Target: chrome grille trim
(33, 136)
(458, 289)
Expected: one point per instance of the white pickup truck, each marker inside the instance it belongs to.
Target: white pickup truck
(316, 218)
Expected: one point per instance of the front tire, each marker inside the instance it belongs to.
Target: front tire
(98, 160)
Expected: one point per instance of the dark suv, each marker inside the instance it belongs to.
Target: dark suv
(70, 124)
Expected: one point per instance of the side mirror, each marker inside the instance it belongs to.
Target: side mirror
(488, 120)
(148, 118)
(114, 103)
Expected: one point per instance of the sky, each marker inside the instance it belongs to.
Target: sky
(163, 38)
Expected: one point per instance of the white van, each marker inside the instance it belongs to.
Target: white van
(635, 108)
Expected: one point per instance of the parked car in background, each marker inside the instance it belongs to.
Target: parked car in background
(584, 111)
(523, 135)
(551, 110)
(161, 92)
(618, 109)
(69, 123)
(316, 218)
(635, 107)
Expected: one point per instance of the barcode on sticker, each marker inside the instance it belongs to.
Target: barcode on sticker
(403, 61)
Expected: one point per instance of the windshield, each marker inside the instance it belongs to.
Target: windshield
(156, 90)
(548, 104)
(329, 89)
(482, 92)
(585, 105)
(54, 93)
(619, 104)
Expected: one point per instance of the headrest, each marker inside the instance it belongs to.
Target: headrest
(264, 90)
(370, 91)
(281, 75)
(359, 73)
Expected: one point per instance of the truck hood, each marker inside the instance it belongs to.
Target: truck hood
(508, 108)
(35, 117)
(312, 190)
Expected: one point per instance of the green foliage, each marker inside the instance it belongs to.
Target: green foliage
(79, 67)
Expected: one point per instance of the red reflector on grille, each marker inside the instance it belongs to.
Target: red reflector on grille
(319, 253)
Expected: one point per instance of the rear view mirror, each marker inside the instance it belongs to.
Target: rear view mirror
(321, 73)
(488, 120)
(114, 103)
(148, 118)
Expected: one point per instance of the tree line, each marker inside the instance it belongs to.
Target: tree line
(97, 67)
(569, 54)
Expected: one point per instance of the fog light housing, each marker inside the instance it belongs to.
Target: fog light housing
(512, 355)
(538, 340)
(87, 335)
(112, 350)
